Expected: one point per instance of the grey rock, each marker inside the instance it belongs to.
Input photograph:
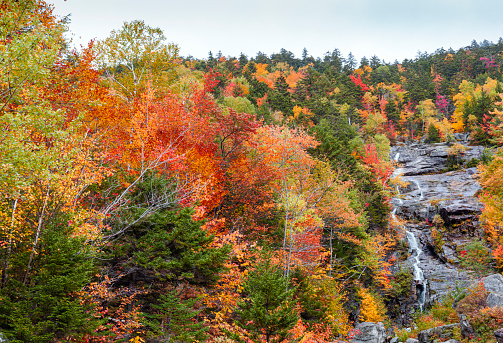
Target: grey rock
(369, 332)
(452, 194)
(494, 300)
(499, 335)
(458, 211)
(441, 278)
(411, 340)
(449, 254)
(466, 328)
(451, 341)
(394, 340)
(420, 159)
(3, 339)
(462, 137)
(442, 332)
(429, 192)
(493, 283)
(441, 151)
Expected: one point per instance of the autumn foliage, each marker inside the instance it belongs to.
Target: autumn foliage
(142, 192)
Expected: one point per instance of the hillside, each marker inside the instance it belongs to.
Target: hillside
(150, 197)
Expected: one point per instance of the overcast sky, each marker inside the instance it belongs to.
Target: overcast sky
(390, 29)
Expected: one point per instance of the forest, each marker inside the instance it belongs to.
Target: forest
(151, 197)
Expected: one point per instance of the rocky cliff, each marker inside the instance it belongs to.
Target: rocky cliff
(438, 189)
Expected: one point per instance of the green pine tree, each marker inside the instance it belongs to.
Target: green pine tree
(174, 320)
(281, 99)
(268, 312)
(47, 308)
(433, 134)
(171, 245)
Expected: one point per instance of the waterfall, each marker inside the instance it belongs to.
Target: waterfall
(400, 201)
(418, 272)
(421, 197)
(414, 249)
(397, 156)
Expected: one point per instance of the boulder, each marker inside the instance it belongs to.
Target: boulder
(442, 332)
(494, 300)
(462, 137)
(494, 285)
(458, 211)
(466, 328)
(411, 340)
(394, 340)
(449, 254)
(499, 335)
(440, 151)
(369, 332)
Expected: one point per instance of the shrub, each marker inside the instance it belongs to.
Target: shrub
(475, 256)
(441, 313)
(472, 163)
(485, 320)
(498, 256)
(433, 134)
(323, 300)
(372, 308)
(474, 300)
(453, 161)
(401, 283)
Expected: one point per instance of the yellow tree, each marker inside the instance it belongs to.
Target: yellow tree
(134, 56)
(47, 160)
(428, 113)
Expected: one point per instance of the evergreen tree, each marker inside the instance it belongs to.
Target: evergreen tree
(336, 60)
(375, 62)
(304, 55)
(268, 312)
(172, 245)
(433, 134)
(262, 58)
(243, 60)
(211, 60)
(46, 307)
(336, 135)
(280, 98)
(364, 62)
(350, 63)
(174, 320)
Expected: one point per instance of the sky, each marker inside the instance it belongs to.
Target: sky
(391, 29)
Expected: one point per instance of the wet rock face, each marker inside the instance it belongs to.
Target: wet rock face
(420, 159)
(369, 333)
(451, 194)
(430, 194)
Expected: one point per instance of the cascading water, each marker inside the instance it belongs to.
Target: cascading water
(418, 272)
(414, 249)
(421, 197)
(397, 156)
(400, 201)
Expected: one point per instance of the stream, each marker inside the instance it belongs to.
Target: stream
(430, 192)
(414, 249)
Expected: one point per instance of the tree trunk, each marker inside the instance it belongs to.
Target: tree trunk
(37, 237)
(9, 250)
